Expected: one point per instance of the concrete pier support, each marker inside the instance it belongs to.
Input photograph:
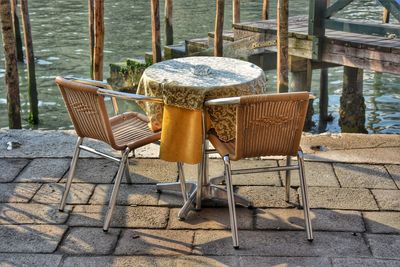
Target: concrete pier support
(352, 105)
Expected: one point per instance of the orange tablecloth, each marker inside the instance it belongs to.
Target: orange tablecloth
(184, 84)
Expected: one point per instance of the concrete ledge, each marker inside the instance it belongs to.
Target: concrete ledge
(347, 148)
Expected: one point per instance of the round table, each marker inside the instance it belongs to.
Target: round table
(184, 84)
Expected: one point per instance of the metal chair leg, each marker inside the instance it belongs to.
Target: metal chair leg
(287, 180)
(71, 173)
(231, 202)
(304, 194)
(114, 194)
(182, 180)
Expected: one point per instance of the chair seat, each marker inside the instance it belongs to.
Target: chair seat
(131, 130)
(223, 148)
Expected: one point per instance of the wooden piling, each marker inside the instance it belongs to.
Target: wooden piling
(386, 15)
(235, 11)
(169, 30)
(17, 31)
(301, 81)
(282, 46)
(91, 35)
(11, 71)
(30, 61)
(98, 50)
(323, 99)
(219, 27)
(265, 7)
(155, 31)
(352, 105)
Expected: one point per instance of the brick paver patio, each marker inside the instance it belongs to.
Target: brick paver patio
(355, 201)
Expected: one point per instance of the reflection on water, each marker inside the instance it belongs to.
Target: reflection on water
(60, 36)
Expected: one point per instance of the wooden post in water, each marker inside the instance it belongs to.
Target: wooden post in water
(30, 61)
(235, 11)
(11, 71)
(98, 55)
(386, 15)
(169, 30)
(323, 88)
(17, 31)
(91, 35)
(155, 31)
(219, 27)
(352, 106)
(282, 46)
(265, 6)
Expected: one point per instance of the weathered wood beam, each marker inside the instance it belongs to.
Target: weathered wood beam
(265, 7)
(30, 61)
(17, 31)
(282, 46)
(336, 7)
(11, 71)
(155, 31)
(393, 6)
(385, 16)
(98, 55)
(235, 11)
(169, 30)
(362, 28)
(91, 35)
(219, 27)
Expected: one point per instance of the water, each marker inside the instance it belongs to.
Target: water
(60, 36)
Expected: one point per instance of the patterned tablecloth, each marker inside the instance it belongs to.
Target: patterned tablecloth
(186, 82)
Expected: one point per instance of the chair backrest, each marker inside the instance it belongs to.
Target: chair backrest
(270, 124)
(87, 110)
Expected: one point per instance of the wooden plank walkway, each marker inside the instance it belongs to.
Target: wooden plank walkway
(369, 52)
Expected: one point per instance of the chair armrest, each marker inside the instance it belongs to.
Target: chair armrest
(129, 96)
(96, 83)
(232, 101)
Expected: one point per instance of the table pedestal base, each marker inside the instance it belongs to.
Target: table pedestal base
(209, 192)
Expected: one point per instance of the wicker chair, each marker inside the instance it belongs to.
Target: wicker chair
(266, 125)
(84, 100)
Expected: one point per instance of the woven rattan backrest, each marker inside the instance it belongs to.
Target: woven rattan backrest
(270, 124)
(87, 110)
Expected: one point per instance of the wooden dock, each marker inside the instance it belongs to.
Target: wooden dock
(375, 53)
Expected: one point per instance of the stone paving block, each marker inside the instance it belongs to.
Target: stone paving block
(150, 171)
(384, 246)
(363, 262)
(17, 213)
(123, 216)
(29, 260)
(268, 196)
(10, 168)
(322, 220)
(17, 192)
(394, 171)
(155, 242)
(211, 218)
(94, 171)
(382, 222)
(255, 261)
(30, 238)
(44, 170)
(83, 240)
(317, 174)
(281, 243)
(387, 199)
(127, 195)
(341, 198)
(52, 193)
(144, 261)
(363, 176)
